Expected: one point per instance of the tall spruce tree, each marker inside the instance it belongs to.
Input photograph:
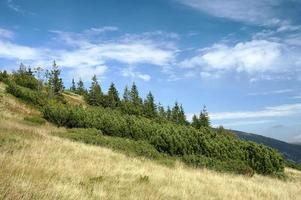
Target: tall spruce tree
(149, 107)
(161, 111)
(204, 118)
(80, 88)
(175, 113)
(126, 94)
(95, 95)
(55, 83)
(73, 87)
(113, 97)
(182, 116)
(195, 122)
(134, 96)
(168, 114)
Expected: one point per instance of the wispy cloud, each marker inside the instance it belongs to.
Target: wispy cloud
(259, 12)
(268, 112)
(4, 33)
(88, 50)
(273, 92)
(130, 72)
(243, 123)
(258, 58)
(12, 5)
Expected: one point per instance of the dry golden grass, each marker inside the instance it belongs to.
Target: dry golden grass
(74, 99)
(36, 165)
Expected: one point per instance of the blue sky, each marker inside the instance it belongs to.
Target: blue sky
(240, 58)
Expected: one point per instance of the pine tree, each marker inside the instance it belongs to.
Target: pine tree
(126, 94)
(113, 97)
(134, 96)
(55, 83)
(175, 113)
(80, 88)
(150, 108)
(95, 95)
(182, 116)
(195, 122)
(161, 111)
(168, 113)
(73, 87)
(204, 118)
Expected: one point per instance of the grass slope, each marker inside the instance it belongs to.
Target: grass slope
(35, 164)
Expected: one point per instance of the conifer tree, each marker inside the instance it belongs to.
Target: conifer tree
(81, 88)
(55, 83)
(113, 97)
(182, 116)
(126, 94)
(175, 113)
(168, 113)
(134, 96)
(150, 108)
(73, 87)
(195, 122)
(95, 95)
(161, 111)
(204, 118)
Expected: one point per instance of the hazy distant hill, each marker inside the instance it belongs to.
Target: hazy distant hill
(290, 151)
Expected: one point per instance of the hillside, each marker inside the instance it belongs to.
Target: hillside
(290, 151)
(35, 164)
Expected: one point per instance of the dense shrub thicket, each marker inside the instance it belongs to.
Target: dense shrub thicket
(30, 96)
(175, 140)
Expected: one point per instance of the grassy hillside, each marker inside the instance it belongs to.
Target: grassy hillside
(290, 151)
(35, 164)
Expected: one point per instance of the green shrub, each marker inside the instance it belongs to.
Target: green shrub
(26, 80)
(29, 96)
(168, 138)
(35, 120)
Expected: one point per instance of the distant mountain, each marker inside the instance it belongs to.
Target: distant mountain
(290, 151)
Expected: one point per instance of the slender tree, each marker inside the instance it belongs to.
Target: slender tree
(126, 94)
(113, 97)
(204, 118)
(80, 88)
(95, 95)
(149, 107)
(55, 83)
(73, 87)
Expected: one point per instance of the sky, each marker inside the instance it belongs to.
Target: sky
(240, 58)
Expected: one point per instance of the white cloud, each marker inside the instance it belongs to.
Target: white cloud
(129, 72)
(259, 12)
(243, 123)
(86, 73)
(12, 5)
(251, 56)
(84, 52)
(274, 111)
(11, 50)
(273, 92)
(4, 33)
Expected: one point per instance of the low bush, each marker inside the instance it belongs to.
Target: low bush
(168, 138)
(29, 96)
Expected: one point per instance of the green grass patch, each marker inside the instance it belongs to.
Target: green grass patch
(33, 120)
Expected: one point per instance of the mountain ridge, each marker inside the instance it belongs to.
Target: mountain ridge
(290, 151)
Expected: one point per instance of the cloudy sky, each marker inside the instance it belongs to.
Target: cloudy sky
(240, 58)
